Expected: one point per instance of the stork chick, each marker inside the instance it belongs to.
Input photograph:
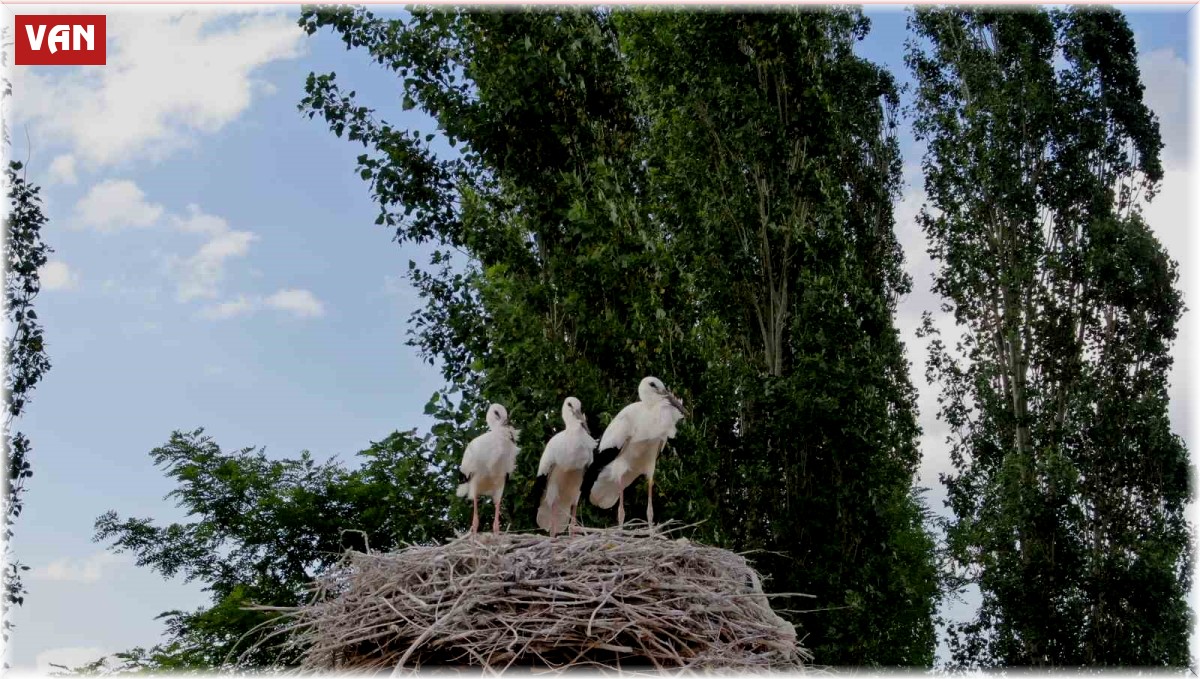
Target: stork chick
(560, 472)
(487, 463)
(630, 447)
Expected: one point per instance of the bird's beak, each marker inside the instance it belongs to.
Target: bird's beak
(583, 420)
(674, 400)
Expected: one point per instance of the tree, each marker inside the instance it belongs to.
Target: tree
(25, 356)
(774, 166)
(617, 174)
(1069, 488)
(25, 359)
(264, 529)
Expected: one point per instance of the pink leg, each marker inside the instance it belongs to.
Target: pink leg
(553, 519)
(475, 515)
(496, 521)
(574, 523)
(621, 510)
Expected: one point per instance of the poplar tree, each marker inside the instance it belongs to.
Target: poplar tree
(1069, 485)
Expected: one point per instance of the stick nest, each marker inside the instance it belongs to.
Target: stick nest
(607, 598)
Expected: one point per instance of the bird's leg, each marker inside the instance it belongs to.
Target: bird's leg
(496, 521)
(650, 502)
(573, 524)
(553, 518)
(475, 515)
(621, 510)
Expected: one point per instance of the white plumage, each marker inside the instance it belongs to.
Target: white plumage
(630, 446)
(487, 462)
(560, 472)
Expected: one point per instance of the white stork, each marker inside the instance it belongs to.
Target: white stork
(560, 473)
(630, 446)
(487, 462)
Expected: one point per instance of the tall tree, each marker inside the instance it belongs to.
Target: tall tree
(706, 198)
(774, 166)
(25, 359)
(1070, 486)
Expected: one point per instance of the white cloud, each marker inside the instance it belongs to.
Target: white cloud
(240, 306)
(113, 205)
(62, 170)
(197, 222)
(297, 302)
(1170, 216)
(172, 75)
(69, 656)
(86, 570)
(1165, 75)
(301, 303)
(200, 276)
(56, 275)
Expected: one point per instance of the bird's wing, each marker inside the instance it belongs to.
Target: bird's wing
(582, 450)
(620, 429)
(615, 436)
(510, 459)
(632, 461)
(558, 451)
(471, 456)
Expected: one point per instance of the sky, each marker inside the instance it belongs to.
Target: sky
(217, 265)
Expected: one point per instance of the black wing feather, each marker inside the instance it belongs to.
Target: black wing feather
(601, 460)
(463, 478)
(539, 489)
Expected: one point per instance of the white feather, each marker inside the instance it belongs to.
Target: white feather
(488, 459)
(567, 455)
(639, 432)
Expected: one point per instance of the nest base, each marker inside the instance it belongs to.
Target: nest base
(631, 598)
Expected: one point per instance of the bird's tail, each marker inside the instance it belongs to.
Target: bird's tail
(547, 515)
(558, 516)
(606, 488)
(464, 485)
(600, 460)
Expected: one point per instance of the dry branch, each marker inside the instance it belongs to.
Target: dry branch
(604, 598)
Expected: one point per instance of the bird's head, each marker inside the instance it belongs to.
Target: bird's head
(572, 411)
(652, 389)
(497, 416)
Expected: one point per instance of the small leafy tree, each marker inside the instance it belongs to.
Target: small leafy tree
(25, 359)
(264, 528)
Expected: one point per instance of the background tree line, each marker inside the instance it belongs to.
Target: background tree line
(707, 197)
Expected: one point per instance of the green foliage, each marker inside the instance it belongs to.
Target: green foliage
(703, 197)
(1070, 486)
(25, 359)
(262, 528)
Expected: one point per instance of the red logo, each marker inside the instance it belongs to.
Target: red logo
(60, 40)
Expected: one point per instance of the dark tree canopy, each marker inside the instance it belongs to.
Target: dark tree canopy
(1070, 487)
(705, 197)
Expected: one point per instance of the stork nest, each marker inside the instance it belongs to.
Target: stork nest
(603, 598)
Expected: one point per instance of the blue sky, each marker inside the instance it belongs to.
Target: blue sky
(217, 266)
